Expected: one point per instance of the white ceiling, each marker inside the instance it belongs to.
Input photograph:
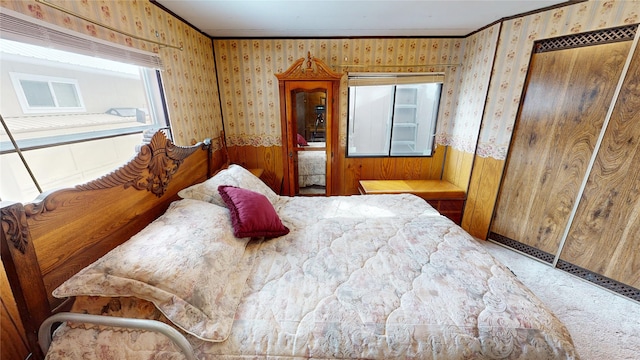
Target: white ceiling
(346, 18)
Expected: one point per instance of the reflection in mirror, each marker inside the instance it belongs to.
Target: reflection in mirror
(311, 149)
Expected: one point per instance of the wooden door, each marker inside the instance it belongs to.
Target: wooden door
(567, 96)
(605, 235)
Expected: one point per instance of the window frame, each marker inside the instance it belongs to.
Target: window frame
(30, 31)
(394, 80)
(149, 77)
(16, 79)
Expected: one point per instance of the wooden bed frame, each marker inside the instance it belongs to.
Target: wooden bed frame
(47, 241)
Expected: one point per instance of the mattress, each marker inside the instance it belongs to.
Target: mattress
(357, 277)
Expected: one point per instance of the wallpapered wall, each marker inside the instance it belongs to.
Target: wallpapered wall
(249, 88)
(505, 90)
(249, 93)
(189, 77)
(460, 129)
(514, 52)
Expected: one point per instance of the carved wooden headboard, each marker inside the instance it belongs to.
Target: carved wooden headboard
(47, 241)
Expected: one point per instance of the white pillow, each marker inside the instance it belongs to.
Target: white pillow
(187, 262)
(234, 175)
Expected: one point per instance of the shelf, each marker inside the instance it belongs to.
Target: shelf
(403, 142)
(406, 149)
(404, 138)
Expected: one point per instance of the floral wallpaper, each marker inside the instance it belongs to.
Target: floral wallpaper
(459, 129)
(514, 52)
(249, 88)
(189, 77)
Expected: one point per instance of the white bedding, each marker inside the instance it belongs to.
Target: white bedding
(312, 168)
(374, 276)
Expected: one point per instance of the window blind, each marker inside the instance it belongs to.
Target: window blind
(18, 27)
(372, 79)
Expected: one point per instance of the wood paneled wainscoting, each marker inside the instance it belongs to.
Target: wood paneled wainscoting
(457, 167)
(350, 170)
(268, 158)
(481, 195)
(391, 168)
(570, 195)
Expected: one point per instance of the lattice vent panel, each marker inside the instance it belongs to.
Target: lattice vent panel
(602, 281)
(539, 254)
(605, 282)
(604, 36)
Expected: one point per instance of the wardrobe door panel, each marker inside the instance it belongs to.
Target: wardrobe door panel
(567, 96)
(605, 235)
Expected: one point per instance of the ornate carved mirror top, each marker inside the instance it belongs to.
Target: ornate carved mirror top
(310, 68)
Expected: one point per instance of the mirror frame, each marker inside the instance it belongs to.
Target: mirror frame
(307, 74)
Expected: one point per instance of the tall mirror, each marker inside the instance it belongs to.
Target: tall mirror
(310, 120)
(307, 109)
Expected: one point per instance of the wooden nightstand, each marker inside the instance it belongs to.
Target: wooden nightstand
(256, 172)
(447, 198)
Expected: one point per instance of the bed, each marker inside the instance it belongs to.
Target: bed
(312, 164)
(240, 272)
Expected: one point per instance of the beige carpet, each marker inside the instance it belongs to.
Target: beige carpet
(603, 325)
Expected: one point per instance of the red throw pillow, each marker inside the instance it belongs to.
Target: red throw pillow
(252, 214)
(302, 141)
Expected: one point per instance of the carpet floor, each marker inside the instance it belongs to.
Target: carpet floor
(603, 325)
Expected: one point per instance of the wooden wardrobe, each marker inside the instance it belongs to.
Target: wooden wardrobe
(570, 194)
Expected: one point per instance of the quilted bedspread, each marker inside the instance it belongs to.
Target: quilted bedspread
(312, 168)
(371, 277)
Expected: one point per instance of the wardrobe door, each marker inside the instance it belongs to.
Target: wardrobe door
(567, 96)
(605, 234)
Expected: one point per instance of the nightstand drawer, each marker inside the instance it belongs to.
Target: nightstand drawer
(449, 205)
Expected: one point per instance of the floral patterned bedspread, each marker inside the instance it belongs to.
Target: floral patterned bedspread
(312, 168)
(373, 277)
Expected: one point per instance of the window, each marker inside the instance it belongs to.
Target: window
(392, 114)
(46, 94)
(73, 116)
